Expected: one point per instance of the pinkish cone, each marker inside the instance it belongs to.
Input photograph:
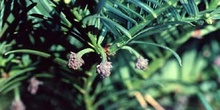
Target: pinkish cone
(33, 85)
(17, 105)
(141, 63)
(74, 61)
(104, 69)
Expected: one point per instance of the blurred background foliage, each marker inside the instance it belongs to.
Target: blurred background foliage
(37, 36)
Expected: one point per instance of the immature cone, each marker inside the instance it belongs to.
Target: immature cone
(104, 69)
(75, 62)
(197, 34)
(33, 85)
(17, 105)
(141, 63)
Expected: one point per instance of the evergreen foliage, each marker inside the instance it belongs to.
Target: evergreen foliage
(109, 54)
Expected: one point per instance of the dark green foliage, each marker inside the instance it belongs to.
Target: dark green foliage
(37, 36)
